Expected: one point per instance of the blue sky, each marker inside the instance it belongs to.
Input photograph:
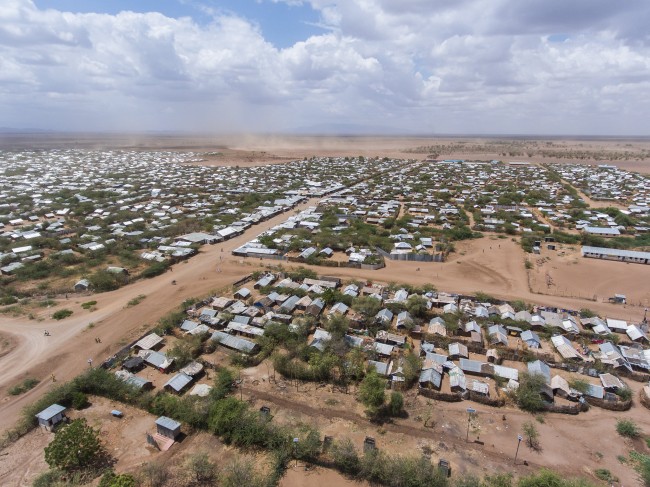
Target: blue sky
(408, 66)
(282, 24)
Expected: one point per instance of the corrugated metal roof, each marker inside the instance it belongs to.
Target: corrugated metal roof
(539, 367)
(471, 365)
(610, 381)
(596, 391)
(615, 252)
(383, 348)
(188, 325)
(247, 329)
(380, 367)
(564, 347)
(236, 343)
(457, 349)
(432, 376)
(530, 337)
(178, 382)
(457, 378)
(168, 423)
(480, 387)
(149, 341)
(506, 372)
(50, 411)
(136, 381)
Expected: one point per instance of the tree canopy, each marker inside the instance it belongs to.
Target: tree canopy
(75, 446)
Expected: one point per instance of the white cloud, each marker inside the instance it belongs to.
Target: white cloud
(468, 65)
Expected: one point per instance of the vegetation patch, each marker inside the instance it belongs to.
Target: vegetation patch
(136, 301)
(61, 314)
(23, 387)
(628, 428)
(88, 304)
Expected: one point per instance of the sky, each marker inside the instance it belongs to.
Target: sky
(536, 67)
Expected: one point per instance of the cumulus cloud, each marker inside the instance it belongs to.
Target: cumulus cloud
(533, 66)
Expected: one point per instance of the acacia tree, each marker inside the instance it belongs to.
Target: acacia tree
(75, 446)
(371, 392)
(416, 305)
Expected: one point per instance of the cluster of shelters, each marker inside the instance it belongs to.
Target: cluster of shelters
(464, 345)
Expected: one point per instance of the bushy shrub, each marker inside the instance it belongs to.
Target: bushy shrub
(79, 400)
(61, 314)
(627, 428)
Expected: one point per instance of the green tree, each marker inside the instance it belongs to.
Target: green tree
(411, 367)
(528, 392)
(372, 392)
(396, 403)
(531, 434)
(223, 384)
(337, 325)
(75, 446)
(416, 305)
(367, 306)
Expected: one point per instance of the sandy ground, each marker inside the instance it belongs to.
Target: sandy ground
(566, 273)
(298, 476)
(124, 439)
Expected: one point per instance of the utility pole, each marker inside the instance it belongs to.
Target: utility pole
(519, 438)
(470, 411)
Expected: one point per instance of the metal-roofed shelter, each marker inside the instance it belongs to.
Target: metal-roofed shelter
(178, 383)
(243, 293)
(188, 325)
(457, 380)
(479, 387)
(235, 343)
(636, 334)
(384, 316)
(531, 339)
(509, 373)
(471, 366)
(457, 350)
(564, 347)
(431, 377)
(49, 417)
(383, 349)
(498, 335)
(156, 359)
(149, 342)
(167, 427)
(539, 367)
(380, 367)
(611, 382)
(616, 254)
